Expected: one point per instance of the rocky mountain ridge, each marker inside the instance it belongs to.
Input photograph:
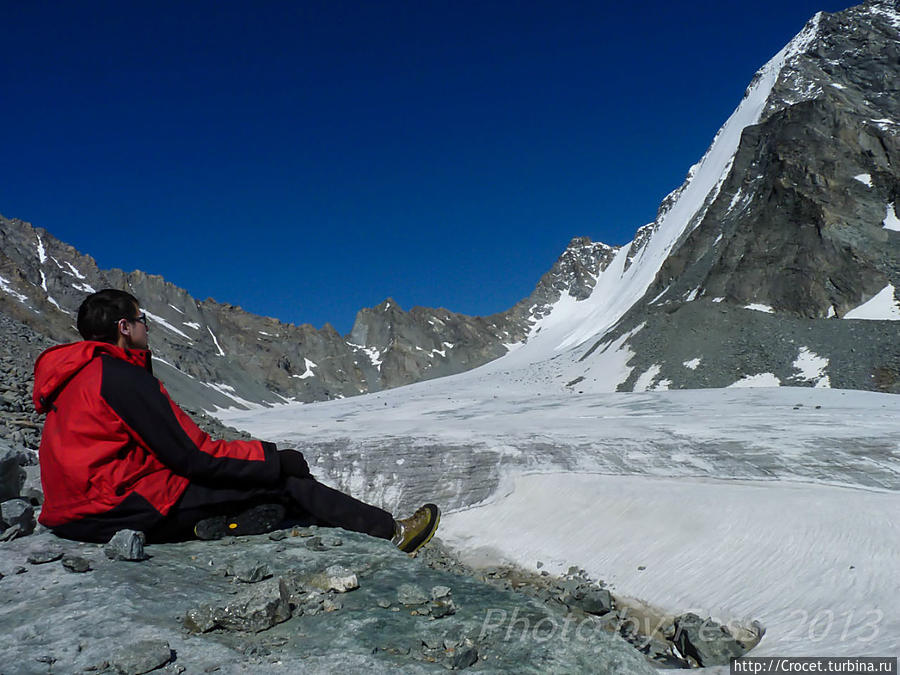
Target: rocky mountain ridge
(214, 354)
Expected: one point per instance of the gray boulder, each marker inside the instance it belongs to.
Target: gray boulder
(335, 578)
(126, 545)
(706, 641)
(410, 594)
(18, 512)
(257, 609)
(595, 601)
(75, 563)
(12, 475)
(45, 555)
(249, 570)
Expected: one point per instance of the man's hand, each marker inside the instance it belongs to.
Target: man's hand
(293, 464)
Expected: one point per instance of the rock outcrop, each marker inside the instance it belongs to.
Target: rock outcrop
(185, 610)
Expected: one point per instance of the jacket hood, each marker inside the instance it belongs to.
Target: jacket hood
(57, 365)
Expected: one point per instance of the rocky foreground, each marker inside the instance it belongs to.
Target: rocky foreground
(318, 599)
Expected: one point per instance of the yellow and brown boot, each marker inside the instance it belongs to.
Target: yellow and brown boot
(411, 534)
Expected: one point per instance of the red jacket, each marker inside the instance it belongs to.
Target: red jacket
(112, 434)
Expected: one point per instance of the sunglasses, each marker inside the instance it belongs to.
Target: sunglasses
(142, 319)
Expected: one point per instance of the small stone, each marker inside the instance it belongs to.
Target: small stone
(126, 545)
(200, 619)
(332, 604)
(45, 556)
(32, 495)
(384, 604)
(76, 564)
(464, 657)
(641, 568)
(313, 604)
(11, 533)
(334, 541)
(18, 512)
(442, 607)
(707, 642)
(249, 571)
(539, 564)
(433, 640)
(278, 535)
(335, 578)
(315, 544)
(596, 601)
(142, 657)
(440, 592)
(410, 594)
(453, 639)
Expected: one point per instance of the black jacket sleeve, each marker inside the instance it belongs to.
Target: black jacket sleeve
(139, 399)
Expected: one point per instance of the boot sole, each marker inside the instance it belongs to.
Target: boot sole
(256, 520)
(425, 536)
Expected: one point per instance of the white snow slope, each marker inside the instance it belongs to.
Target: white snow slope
(769, 504)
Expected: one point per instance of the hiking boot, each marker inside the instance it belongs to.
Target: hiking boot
(255, 520)
(411, 534)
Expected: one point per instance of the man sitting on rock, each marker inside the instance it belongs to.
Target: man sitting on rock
(118, 453)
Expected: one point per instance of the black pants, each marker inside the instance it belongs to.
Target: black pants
(307, 502)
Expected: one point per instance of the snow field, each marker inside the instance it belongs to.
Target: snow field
(815, 565)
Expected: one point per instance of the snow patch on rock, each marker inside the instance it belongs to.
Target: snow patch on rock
(758, 380)
(883, 307)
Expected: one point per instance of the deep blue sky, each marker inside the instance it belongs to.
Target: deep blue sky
(307, 159)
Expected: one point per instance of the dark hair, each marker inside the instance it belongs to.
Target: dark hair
(100, 312)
